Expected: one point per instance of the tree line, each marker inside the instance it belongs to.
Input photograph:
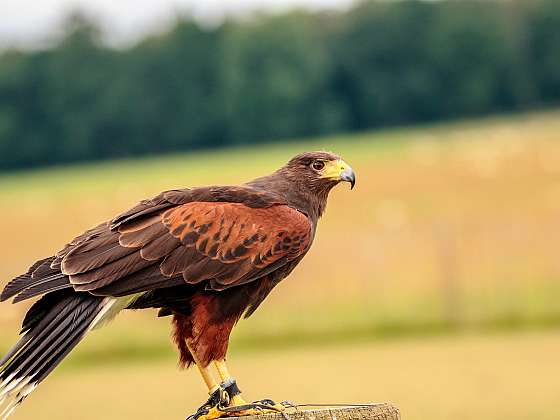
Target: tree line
(275, 77)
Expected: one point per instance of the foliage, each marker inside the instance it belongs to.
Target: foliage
(271, 77)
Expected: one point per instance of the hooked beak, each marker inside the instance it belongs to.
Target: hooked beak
(348, 175)
(339, 170)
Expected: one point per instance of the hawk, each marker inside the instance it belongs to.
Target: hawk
(204, 256)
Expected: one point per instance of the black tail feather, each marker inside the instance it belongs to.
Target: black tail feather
(17, 347)
(53, 327)
(42, 334)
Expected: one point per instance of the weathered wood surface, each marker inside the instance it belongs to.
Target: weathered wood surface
(370, 412)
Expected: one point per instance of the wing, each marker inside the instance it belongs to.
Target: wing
(221, 243)
(223, 236)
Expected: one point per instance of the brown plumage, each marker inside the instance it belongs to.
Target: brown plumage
(204, 255)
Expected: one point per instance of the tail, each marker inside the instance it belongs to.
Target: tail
(53, 326)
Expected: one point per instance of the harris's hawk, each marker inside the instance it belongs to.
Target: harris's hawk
(206, 256)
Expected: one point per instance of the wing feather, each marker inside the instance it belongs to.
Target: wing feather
(237, 243)
(223, 236)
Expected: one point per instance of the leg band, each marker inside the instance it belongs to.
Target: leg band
(230, 386)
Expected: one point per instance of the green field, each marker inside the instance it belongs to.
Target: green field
(448, 242)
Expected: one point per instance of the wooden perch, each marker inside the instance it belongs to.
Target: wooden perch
(370, 412)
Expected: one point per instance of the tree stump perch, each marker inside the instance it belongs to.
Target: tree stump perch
(363, 412)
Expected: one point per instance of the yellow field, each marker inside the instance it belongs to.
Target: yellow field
(457, 221)
(513, 377)
(454, 225)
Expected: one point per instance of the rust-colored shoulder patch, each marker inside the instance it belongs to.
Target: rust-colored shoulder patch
(223, 243)
(235, 240)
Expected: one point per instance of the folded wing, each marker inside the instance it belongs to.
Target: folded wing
(172, 240)
(222, 244)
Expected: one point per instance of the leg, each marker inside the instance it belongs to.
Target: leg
(229, 383)
(235, 400)
(218, 398)
(207, 376)
(225, 399)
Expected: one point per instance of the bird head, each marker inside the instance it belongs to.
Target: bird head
(321, 170)
(306, 180)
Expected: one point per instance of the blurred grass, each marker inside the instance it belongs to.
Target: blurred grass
(449, 224)
(452, 227)
(499, 376)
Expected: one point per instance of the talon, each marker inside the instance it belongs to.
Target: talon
(197, 415)
(212, 414)
(250, 410)
(226, 401)
(255, 408)
(243, 409)
(271, 405)
(213, 407)
(266, 401)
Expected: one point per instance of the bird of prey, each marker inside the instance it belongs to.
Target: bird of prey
(205, 256)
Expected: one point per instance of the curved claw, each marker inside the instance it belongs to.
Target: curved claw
(207, 414)
(257, 405)
(212, 408)
(221, 404)
(265, 401)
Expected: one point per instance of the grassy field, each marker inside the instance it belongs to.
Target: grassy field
(453, 226)
(514, 377)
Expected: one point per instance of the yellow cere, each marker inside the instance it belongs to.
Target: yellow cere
(334, 168)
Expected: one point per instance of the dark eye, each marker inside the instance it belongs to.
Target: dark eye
(318, 165)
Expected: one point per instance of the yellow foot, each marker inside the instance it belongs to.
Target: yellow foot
(240, 411)
(221, 404)
(249, 409)
(213, 413)
(238, 407)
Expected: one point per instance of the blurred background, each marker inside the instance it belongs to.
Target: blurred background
(434, 285)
